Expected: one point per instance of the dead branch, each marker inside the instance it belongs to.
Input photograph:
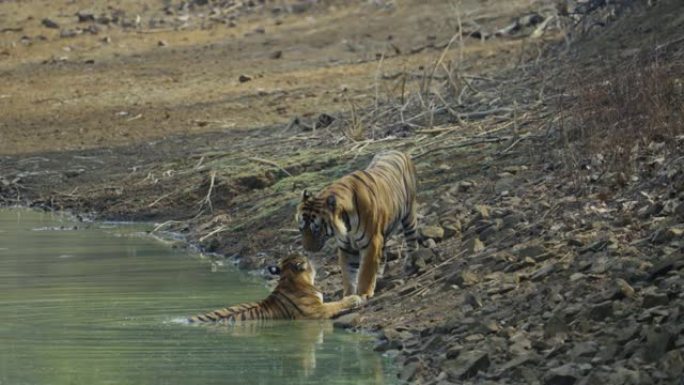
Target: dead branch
(207, 199)
(271, 163)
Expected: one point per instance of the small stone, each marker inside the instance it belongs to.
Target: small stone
(451, 229)
(576, 277)
(385, 345)
(464, 278)
(679, 210)
(467, 365)
(408, 372)
(543, 272)
(276, 55)
(672, 364)
(432, 232)
(47, 23)
(482, 211)
(474, 245)
(67, 33)
(347, 321)
(244, 78)
(601, 311)
(85, 16)
(666, 235)
(429, 243)
(519, 344)
(658, 342)
(465, 185)
(491, 326)
(584, 349)
(625, 288)
(162, 43)
(532, 251)
(653, 299)
(454, 351)
(562, 375)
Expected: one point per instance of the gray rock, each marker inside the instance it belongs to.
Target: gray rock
(601, 311)
(625, 288)
(347, 321)
(244, 78)
(672, 364)
(666, 235)
(653, 299)
(584, 349)
(658, 342)
(85, 16)
(454, 351)
(67, 33)
(543, 271)
(474, 245)
(48, 23)
(464, 278)
(563, 375)
(408, 372)
(532, 251)
(467, 365)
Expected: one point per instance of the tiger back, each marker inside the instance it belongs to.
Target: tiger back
(295, 297)
(360, 210)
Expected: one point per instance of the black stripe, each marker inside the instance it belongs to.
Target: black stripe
(292, 303)
(354, 265)
(348, 251)
(347, 222)
(283, 308)
(363, 181)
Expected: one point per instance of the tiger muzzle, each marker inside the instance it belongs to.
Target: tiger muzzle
(313, 242)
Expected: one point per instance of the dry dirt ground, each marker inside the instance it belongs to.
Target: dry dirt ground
(548, 139)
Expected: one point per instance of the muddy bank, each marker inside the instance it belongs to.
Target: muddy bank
(550, 166)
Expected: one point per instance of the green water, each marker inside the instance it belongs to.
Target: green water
(103, 305)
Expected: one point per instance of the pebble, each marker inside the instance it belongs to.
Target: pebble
(467, 365)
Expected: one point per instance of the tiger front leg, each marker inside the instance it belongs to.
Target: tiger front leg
(332, 309)
(349, 265)
(370, 263)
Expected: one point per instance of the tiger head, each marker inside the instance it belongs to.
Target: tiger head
(295, 268)
(320, 218)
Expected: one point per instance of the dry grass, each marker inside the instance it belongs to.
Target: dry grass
(622, 110)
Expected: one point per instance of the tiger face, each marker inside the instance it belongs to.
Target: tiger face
(318, 220)
(297, 268)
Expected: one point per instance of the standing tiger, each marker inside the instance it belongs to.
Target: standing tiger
(295, 297)
(361, 210)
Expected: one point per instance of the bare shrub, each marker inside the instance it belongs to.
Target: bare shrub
(621, 110)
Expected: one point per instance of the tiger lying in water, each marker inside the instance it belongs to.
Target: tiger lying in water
(360, 210)
(295, 297)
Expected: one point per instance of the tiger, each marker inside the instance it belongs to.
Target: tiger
(294, 298)
(360, 210)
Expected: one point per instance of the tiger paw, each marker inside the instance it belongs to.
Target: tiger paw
(355, 300)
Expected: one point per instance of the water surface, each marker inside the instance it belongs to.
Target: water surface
(98, 304)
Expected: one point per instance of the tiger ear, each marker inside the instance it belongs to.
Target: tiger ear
(331, 202)
(300, 266)
(275, 270)
(306, 195)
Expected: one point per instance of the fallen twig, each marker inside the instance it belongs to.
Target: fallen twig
(271, 163)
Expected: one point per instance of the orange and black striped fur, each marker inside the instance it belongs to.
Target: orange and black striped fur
(360, 210)
(295, 297)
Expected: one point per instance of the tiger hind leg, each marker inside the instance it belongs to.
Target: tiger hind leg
(410, 226)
